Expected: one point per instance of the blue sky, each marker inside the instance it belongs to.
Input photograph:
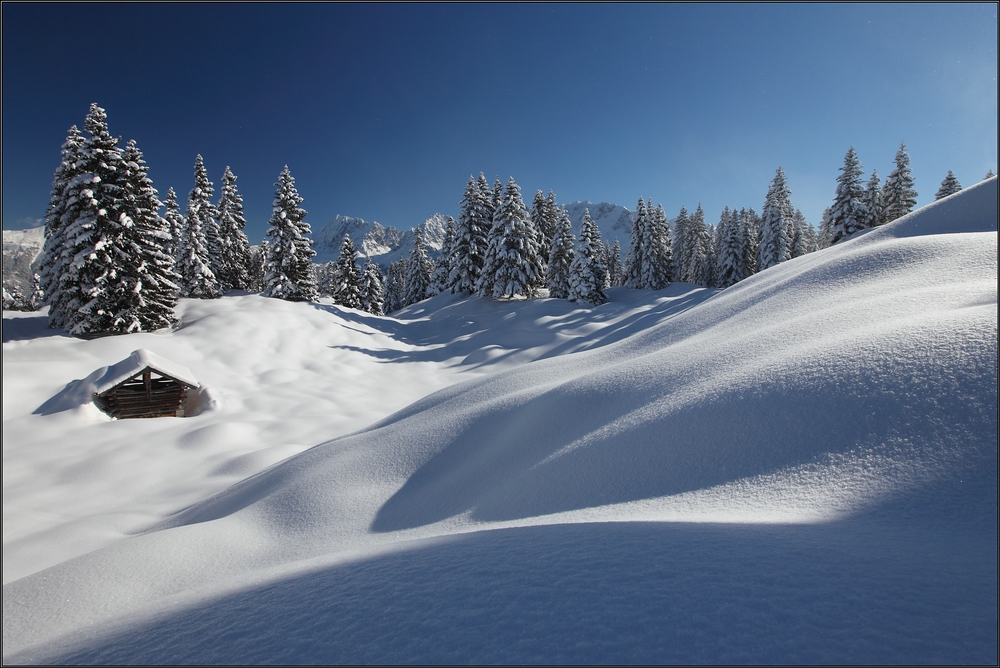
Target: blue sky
(383, 111)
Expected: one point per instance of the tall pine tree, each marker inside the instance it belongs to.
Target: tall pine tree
(848, 214)
(775, 222)
(471, 236)
(372, 289)
(419, 270)
(55, 257)
(289, 248)
(899, 195)
(345, 277)
(511, 267)
(233, 243)
(587, 272)
(874, 204)
(195, 262)
(442, 269)
(560, 257)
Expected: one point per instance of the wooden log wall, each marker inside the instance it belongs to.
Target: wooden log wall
(145, 397)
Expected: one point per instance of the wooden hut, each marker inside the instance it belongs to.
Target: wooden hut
(144, 385)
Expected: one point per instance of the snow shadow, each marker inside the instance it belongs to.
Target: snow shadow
(609, 593)
(29, 326)
(447, 328)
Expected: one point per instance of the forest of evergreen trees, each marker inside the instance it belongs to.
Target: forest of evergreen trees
(111, 264)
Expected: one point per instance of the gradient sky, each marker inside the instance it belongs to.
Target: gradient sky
(383, 111)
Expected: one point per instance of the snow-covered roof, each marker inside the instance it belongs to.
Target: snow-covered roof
(136, 363)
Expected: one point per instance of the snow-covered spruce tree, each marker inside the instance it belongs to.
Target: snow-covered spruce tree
(636, 259)
(234, 247)
(775, 221)
(151, 289)
(949, 186)
(750, 232)
(680, 234)
(442, 268)
(898, 194)
(803, 236)
(175, 225)
(256, 267)
(289, 248)
(55, 251)
(848, 213)
(496, 197)
(989, 174)
(471, 236)
(560, 257)
(419, 270)
(372, 289)
(655, 274)
(825, 228)
(874, 204)
(395, 286)
(511, 267)
(345, 276)
(665, 245)
(731, 268)
(325, 275)
(194, 261)
(696, 247)
(94, 234)
(544, 215)
(613, 263)
(587, 272)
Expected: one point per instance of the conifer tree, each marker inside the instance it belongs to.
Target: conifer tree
(750, 231)
(613, 262)
(419, 269)
(289, 248)
(148, 294)
(664, 245)
(949, 186)
(825, 228)
(989, 174)
(233, 243)
(372, 289)
(681, 224)
(442, 268)
(637, 261)
(395, 286)
(55, 256)
(471, 237)
(175, 225)
(544, 215)
(560, 257)
(345, 277)
(697, 248)
(873, 202)
(94, 231)
(848, 213)
(804, 238)
(775, 221)
(898, 194)
(195, 262)
(587, 272)
(256, 267)
(731, 266)
(511, 266)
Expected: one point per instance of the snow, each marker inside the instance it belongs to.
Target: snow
(137, 362)
(798, 469)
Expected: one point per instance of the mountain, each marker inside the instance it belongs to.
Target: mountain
(383, 244)
(20, 249)
(614, 221)
(798, 469)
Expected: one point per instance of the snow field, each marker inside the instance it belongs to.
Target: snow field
(801, 468)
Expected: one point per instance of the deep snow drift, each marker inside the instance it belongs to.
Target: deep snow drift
(800, 468)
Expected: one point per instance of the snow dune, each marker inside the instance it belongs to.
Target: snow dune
(799, 469)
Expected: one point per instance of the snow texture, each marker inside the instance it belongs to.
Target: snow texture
(801, 468)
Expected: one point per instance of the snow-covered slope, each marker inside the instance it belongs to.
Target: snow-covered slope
(798, 469)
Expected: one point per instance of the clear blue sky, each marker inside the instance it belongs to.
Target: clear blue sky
(383, 111)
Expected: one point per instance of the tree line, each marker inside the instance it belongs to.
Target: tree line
(112, 265)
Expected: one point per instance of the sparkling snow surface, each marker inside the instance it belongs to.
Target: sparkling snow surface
(799, 469)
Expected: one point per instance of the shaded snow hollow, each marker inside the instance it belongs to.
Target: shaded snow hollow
(799, 469)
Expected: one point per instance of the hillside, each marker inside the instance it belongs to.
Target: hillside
(799, 469)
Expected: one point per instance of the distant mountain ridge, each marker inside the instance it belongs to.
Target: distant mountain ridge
(20, 250)
(382, 244)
